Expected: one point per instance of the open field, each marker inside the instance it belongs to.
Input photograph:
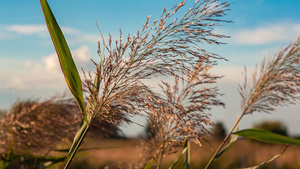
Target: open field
(124, 153)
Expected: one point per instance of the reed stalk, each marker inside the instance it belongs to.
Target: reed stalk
(276, 84)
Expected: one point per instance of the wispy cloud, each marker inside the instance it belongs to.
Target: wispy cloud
(27, 29)
(18, 31)
(268, 34)
(82, 54)
(44, 73)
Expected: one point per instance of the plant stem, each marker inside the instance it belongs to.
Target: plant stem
(160, 159)
(224, 141)
(85, 129)
(246, 107)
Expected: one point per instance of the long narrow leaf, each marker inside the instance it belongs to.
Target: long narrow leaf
(186, 163)
(65, 58)
(233, 139)
(266, 162)
(224, 150)
(266, 136)
(184, 149)
(78, 140)
(83, 128)
(149, 165)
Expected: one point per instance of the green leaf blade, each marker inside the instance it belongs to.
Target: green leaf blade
(186, 163)
(184, 150)
(267, 161)
(83, 128)
(224, 150)
(268, 137)
(149, 165)
(64, 55)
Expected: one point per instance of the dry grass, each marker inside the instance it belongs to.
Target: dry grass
(169, 47)
(244, 153)
(166, 48)
(35, 127)
(277, 83)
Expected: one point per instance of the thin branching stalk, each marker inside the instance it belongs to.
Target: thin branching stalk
(166, 48)
(169, 47)
(278, 83)
(180, 114)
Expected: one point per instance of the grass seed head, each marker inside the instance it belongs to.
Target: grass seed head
(276, 83)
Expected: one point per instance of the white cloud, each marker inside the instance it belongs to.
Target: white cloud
(81, 57)
(51, 64)
(74, 36)
(69, 30)
(296, 28)
(91, 38)
(82, 54)
(28, 29)
(268, 34)
(37, 29)
(3, 35)
(232, 74)
(45, 73)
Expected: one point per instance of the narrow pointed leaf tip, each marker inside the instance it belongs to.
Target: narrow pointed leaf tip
(64, 55)
(149, 165)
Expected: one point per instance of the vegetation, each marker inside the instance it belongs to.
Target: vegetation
(219, 131)
(276, 83)
(166, 48)
(272, 126)
(169, 48)
(27, 122)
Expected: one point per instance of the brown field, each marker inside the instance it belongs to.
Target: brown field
(125, 153)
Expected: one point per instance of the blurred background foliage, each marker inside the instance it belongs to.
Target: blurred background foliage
(31, 132)
(272, 126)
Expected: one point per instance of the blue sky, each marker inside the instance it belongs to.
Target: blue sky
(29, 67)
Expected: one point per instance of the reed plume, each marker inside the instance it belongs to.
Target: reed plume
(33, 126)
(169, 47)
(277, 83)
(166, 48)
(182, 112)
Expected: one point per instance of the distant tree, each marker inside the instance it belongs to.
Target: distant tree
(272, 126)
(219, 131)
(2, 112)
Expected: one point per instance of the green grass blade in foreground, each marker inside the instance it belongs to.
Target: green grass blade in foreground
(78, 140)
(234, 137)
(149, 165)
(266, 162)
(186, 163)
(65, 58)
(229, 145)
(184, 150)
(268, 137)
